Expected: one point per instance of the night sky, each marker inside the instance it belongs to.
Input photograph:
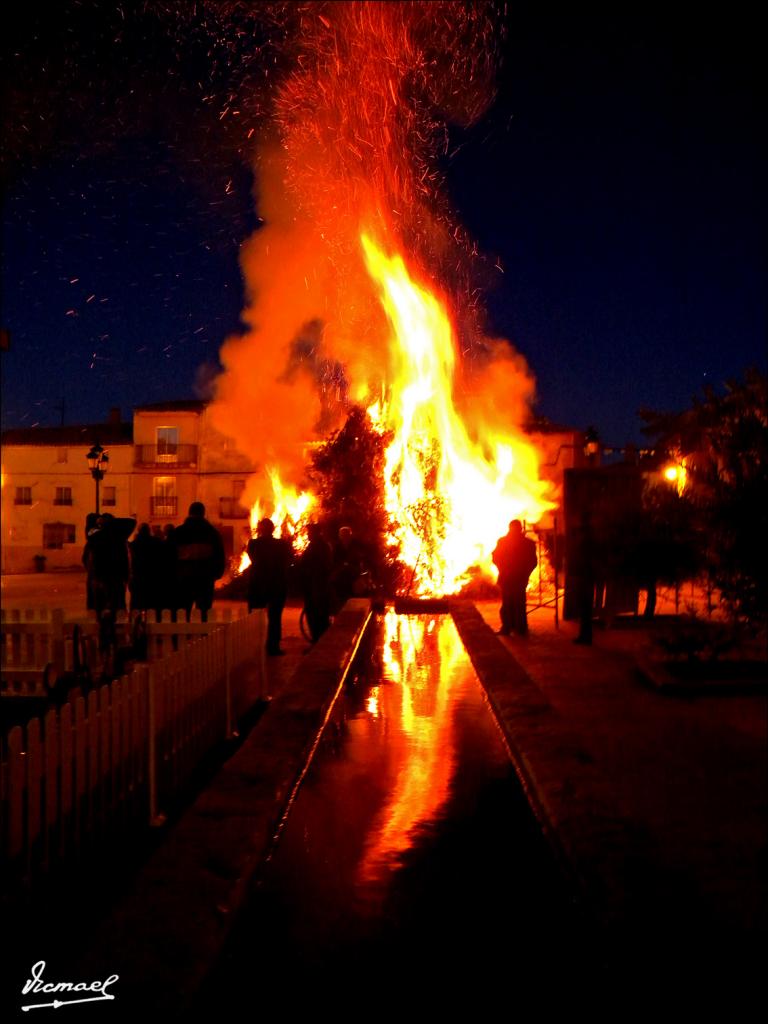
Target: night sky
(614, 182)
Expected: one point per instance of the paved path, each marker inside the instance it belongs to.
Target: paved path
(680, 783)
(659, 801)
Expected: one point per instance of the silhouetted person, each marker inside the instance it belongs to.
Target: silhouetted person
(583, 574)
(144, 583)
(105, 557)
(200, 560)
(515, 558)
(268, 579)
(348, 566)
(106, 560)
(167, 589)
(315, 571)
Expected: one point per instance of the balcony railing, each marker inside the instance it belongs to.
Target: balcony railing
(163, 508)
(163, 456)
(230, 508)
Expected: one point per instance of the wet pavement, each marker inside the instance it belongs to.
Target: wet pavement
(381, 896)
(410, 864)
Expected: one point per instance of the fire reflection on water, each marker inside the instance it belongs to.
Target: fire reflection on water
(421, 688)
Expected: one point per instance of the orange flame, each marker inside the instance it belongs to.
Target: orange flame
(419, 707)
(360, 135)
(453, 495)
(290, 513)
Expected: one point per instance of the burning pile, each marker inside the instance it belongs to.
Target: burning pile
(338, 315)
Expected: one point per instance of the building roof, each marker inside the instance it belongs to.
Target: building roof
(77, 435)
(177, 405)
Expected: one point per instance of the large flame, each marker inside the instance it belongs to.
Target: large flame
(289, 510)
(360, 133)
(451, 494)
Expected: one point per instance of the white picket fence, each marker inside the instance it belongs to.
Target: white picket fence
(37, 644)
(116, 757)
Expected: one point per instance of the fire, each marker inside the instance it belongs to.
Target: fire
(290, 511)
(452, 495)
(676, 473)
(358, 135)
(418, 705)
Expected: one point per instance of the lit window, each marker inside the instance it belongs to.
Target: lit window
(167, 444)
(164, 499)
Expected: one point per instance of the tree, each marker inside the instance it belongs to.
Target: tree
(722, 442)
(347, 474)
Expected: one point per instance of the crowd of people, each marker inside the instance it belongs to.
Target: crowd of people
(176, 568)
(169, 568)
(326, 575)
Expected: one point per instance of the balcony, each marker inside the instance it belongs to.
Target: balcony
(230, 508)
(152, 456)
(163, 508)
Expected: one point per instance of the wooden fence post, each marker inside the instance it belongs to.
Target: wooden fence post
(155, 818)
(231, 732)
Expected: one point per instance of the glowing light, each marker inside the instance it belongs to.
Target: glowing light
(421, 698)
(289, 511)
(677, 474)
(451, 494)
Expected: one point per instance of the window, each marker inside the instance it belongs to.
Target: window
(56, 535)
(108, 496)
(167, 444)
(23, 496)
(62, 455)
(164, 500)
(63, 496)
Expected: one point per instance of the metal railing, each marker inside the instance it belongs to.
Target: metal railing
(163, 508)
(159, 456)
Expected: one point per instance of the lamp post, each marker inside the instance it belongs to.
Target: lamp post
(590, 446)
(98, 463)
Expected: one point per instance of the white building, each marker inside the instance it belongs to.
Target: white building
(168, 457)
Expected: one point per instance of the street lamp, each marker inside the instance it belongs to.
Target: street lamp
(590, 446)
(98, 460)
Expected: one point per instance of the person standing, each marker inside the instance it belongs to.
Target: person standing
(315, 570)
(515, 558)
(268, 580)
(347, 566)
(145, 564)
(105, 558)
(200, 560)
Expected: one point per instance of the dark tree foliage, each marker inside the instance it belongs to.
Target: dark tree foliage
(724, 440)
(347, 474)
(668, 547)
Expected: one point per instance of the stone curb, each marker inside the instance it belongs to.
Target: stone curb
(574, 805)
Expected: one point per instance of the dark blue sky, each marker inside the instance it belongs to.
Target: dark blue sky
(617, 180)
